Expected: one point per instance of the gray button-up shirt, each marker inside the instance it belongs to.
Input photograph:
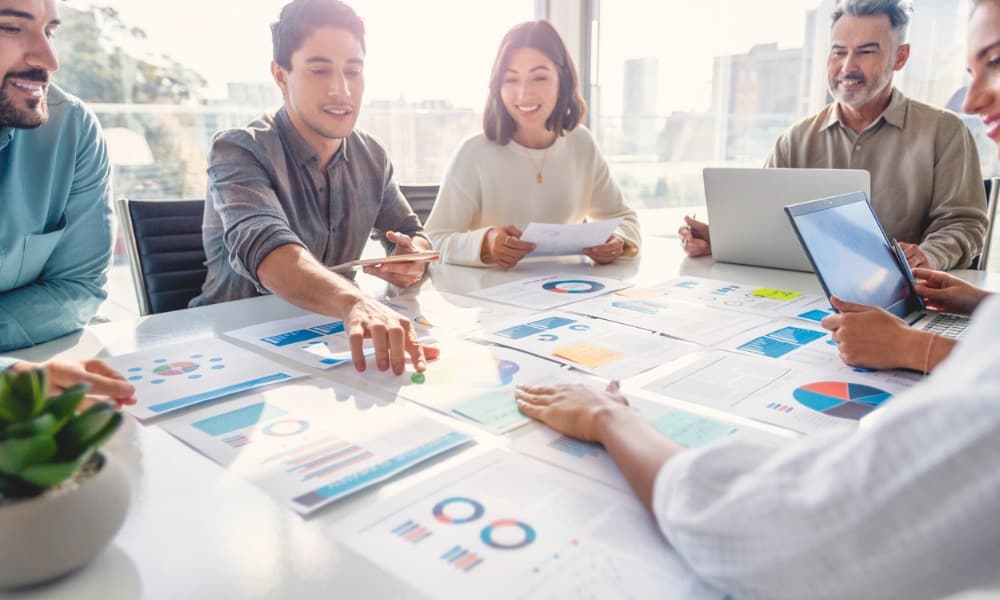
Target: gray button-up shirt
(266, 188)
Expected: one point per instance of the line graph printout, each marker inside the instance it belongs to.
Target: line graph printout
(592, 460)
(606, 349)
(175, 377)
(312, 340)
(683, 320)
(802, 399)
(469, 381)
(552, 291)
(758, 299)
(310, 445)
(505, 526)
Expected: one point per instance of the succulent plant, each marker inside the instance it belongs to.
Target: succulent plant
(44, 441)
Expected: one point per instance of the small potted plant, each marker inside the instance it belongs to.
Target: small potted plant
(61, 501)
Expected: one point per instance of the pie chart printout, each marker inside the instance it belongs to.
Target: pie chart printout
(841, 399)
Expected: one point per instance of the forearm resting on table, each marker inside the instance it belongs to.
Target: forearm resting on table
(639, 450)
(291, 272)
(926, 350)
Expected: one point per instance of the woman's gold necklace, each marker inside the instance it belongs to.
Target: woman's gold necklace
(538, 168)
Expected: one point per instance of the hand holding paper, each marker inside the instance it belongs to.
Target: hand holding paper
(565, 240)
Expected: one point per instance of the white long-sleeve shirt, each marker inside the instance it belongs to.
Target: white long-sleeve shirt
(487, 185)
(908, 506)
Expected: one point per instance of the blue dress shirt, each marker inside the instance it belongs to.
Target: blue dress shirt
(55, 230)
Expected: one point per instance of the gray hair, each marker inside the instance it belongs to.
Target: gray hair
(898, 11)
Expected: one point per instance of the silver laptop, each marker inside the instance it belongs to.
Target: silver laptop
(745, 210)
(855, 261)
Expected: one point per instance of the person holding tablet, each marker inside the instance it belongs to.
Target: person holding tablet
(534, 161)
(301, 189)
(903, 507)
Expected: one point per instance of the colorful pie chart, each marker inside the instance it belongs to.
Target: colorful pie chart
(841, 399)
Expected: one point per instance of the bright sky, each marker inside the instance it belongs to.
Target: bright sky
(686, 42)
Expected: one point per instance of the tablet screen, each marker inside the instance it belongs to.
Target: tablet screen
(850, 252)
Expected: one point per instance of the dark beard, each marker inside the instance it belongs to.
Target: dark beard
(34, 116)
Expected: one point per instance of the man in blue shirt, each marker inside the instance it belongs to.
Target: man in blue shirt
(55, 230)
(55, 234)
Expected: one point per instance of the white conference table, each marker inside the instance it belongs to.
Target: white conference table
(195, 530)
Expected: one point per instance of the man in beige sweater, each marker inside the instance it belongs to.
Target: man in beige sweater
(927, 188)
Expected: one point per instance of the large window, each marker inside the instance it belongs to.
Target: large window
(713, 83)
(163, 77)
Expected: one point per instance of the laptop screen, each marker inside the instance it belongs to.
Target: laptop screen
(852, 256)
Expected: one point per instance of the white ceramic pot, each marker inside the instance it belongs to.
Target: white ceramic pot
(61, 530)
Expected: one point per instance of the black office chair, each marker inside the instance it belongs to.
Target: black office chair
(421, 198)
(165, 251)
(992, 187)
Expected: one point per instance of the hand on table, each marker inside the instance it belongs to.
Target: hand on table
(607, 252)
(573, 410)
(505, 246)
(695, 237)
(104, 382)
(401, 274)
(870, 337)
(948, 293)
(392, 335)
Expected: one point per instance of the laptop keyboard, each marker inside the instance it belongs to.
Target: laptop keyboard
(947, 325)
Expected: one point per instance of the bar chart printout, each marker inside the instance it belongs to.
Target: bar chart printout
(309, 446)
(502, 526)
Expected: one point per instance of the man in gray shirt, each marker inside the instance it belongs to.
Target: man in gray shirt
(301, 189)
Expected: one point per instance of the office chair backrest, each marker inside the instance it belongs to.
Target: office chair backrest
(421, 198)
(165, 251)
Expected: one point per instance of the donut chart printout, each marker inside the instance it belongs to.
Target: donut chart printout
(506, 526)
(179, 376)
(552, 291)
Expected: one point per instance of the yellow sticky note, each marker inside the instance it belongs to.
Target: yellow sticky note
(773, 294)
(640, 293)
(588, 355)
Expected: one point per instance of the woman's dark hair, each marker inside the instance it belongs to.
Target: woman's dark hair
(570, 108)
(299, 19)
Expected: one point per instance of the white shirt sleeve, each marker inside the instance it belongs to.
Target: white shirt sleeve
(457, 207)
(607, 201)
(905, 507)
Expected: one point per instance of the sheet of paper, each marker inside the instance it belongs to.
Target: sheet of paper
(563, 240)
(174, 377)
(758, 299)
(473, 382)
(310, 445)
(684, 320)
(505, 526)
(542, 293)
(592, 460)
(799, 398)
(778, 340)
(606, 349)
(312, 340)
(440, 312)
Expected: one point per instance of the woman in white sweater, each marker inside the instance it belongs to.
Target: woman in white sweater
(533, 162)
